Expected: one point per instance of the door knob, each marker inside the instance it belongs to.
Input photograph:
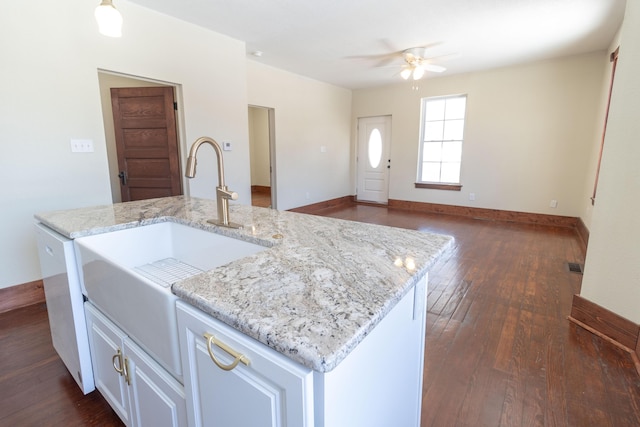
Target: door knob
(123, 177)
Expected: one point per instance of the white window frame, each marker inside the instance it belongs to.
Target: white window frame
(440, 183)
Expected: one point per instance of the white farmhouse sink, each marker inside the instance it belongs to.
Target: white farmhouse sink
(127, 274)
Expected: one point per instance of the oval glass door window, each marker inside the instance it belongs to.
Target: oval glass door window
(375, 148)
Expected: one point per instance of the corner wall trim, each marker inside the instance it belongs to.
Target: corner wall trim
(21, 295)
(583, 233)
(608, 325)
(327, 204)
(487, 214)
(465, 211)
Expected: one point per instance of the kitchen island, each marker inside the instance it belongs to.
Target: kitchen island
(320, 289)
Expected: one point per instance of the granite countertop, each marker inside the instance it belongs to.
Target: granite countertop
(318, 290)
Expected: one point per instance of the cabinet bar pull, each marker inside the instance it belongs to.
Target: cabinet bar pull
(118, 357)
(238, 357)
(126, 372)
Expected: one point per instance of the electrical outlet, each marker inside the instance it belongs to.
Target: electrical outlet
(472, 196)
(553, 204)
(81, 146)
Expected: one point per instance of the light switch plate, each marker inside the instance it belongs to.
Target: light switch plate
(226, 146)
(81, 146)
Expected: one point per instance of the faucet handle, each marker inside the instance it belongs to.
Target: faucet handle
(226, 194)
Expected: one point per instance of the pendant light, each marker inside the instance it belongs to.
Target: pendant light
(109, 19)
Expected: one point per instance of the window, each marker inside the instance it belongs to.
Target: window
(441, 136)
(375, 148)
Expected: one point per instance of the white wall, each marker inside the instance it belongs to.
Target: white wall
(309, 115)
(612, 268)
(528, 134)
(51, 54)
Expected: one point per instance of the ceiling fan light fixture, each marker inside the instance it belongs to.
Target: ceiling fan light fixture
(109, 19)
(418, 72)
(406, 72)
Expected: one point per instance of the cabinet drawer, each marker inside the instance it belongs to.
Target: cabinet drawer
(271, 390)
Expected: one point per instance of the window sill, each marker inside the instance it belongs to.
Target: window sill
(439, 186)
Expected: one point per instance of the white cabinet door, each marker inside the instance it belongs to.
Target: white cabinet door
(270, 391)
(156, 398)
(139, 390)
(106, 342)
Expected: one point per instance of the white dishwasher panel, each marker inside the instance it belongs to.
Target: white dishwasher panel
(65, 304)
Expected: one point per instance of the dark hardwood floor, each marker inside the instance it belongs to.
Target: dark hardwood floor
(35, 387)
(500, 351)
(261, 196)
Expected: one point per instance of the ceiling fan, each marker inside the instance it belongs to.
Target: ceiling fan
(416, 63)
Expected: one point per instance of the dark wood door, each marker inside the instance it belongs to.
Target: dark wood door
(146, 142)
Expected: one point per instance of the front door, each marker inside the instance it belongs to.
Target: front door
(146, 142)
(374, 136)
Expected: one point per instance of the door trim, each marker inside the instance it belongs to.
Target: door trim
(272, 152)
(385, 161)
(108, 79)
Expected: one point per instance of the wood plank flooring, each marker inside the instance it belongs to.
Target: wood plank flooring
(35, 387)
(261, 196)
(500, 351)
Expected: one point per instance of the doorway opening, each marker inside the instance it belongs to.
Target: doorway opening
(262, 154)
(142, 137)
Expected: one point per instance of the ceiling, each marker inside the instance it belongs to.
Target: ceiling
(345, 42)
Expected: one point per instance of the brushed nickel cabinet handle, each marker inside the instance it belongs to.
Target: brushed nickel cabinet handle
(118, 357)
(126, 372)
(238, 357)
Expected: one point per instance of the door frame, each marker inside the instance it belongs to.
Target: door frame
(386, 155)
(107, 116)
(271, 117)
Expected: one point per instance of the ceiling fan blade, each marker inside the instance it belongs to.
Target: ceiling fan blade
(428, 46)
(433, 68)
(443, 58)
(379, 60)
(387, 60)
(388, 46)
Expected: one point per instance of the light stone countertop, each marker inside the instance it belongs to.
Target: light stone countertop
(318, 290)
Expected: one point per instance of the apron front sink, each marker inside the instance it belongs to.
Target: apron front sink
(128, 274)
